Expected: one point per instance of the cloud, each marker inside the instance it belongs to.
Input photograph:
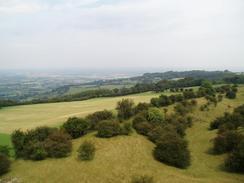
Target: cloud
(116, 33)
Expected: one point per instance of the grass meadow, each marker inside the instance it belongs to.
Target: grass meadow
(120, 158)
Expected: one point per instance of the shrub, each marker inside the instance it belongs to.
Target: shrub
(155, 115)
(231, 94)
(58, 145)
(172, 150)
(141, 107)
(235, 161)
(34, 150)
(164, 100)
(125, 109)
(98, 116)
(155, 102)
(126, 129)
(76, 127)
(108, 129)
(4, 164)
(160, 132)
(143, 179)
(189, 94)
(5, 150)
(18, 140)
(227, 141)
(86, 151)
(143, 127)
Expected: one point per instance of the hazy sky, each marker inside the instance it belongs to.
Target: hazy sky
(180, 34)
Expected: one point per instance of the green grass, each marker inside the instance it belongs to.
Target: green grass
(120, 158)
(5, 139)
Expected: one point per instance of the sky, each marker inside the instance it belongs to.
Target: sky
(174, 34)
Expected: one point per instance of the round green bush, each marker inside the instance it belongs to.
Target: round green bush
(108, 129)
(86, 151)
(172, 150)
(4, 164)
(76, 127)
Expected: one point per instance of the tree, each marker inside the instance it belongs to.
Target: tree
(86, 151)
(76, 127)
(125, 109)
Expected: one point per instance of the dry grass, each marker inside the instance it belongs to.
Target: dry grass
(30, 116)
(118, 159)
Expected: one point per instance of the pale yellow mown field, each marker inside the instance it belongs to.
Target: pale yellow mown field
(53, 114)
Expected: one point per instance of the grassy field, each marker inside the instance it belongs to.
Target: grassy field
(118, 159)
(30, 116)
(5, 139)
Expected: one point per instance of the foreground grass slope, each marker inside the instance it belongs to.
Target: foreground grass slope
(120, 158)
(53, 114)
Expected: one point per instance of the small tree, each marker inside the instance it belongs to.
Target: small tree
(86, 151)
(125, 109)
(76, 127)
(4, 164)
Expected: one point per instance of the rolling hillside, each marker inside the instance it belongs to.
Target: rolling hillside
(120, 158)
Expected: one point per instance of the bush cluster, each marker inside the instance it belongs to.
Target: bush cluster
(42, 142)
(166, 132)
(229, 138)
